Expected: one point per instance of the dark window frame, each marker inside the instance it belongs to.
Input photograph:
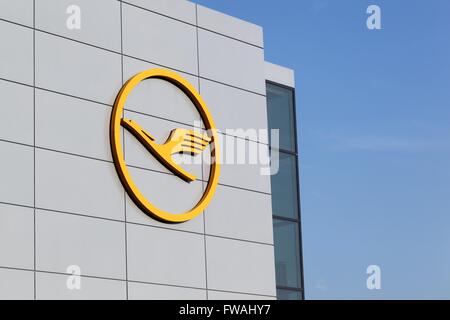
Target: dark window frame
(297, 166)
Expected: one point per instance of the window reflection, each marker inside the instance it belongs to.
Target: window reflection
(280, 112)
(288, 294)
(287, 253)
(284, 188)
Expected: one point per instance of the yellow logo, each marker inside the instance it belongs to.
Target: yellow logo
(179, 141)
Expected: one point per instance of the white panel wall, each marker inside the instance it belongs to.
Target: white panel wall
(61, 201)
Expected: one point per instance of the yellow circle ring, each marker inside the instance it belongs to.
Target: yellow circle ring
(118, 155)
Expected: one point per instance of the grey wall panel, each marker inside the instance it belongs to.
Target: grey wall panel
(279, 74)
(231, 62)
(99, 21)
(144, 291)
(96, 246)
(16, 112)
(240, 214)
(16, 58)
(218, 295)
(72, 125)
(16, 284)
(230, 26)
(19, 11)
(78, 185)
(142, 38)
(243, 164)
(176, 9)
(51, 286)
(136, 215)
(16, 172)
(240, 266)
(166, 257)
(16, 237)
(77, 69)
(235, 109)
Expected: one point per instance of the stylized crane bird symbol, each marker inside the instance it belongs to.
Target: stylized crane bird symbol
(179, 141)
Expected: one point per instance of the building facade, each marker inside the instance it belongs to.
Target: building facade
(69, 228)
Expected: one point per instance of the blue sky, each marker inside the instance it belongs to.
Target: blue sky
(374, 120)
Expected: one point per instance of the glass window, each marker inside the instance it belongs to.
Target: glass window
(280, 109)
(288, 294)
(284, 188)
(285, 201)
(287, 253)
